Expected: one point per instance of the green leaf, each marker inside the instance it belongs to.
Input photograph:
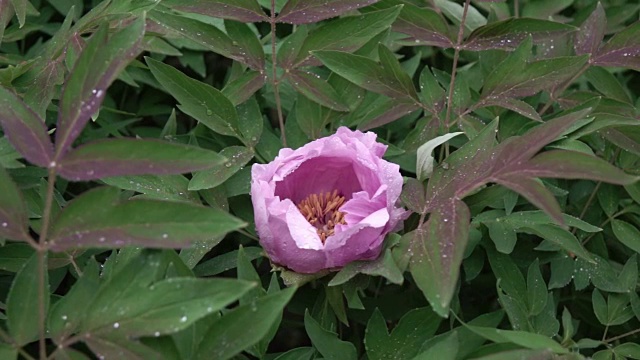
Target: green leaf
(515, 105)
(436, 267)
(205, 35)
(20, 8)
(316, 89)
(239, 90)
(365, 73)
(384, 266)
(313, 11)
(516, 77)
(346, 34)
(174, 304)
(248, 273)
(621, 50)
(425, 26)
(575, 165)
(406, 339)
(328, 343)
(634, 191)
(380, 111)
(545, 8)
(240, 10)
(473, 341)
(561, 237)
(191, 256)
(98, 218)
(413, 195)
(24, 129)
(391, 65)
(7, 351)
(237, 157)
(198, 100)
(629, 274)
(521, 338)
(228, 335)
(507, 34)
(635, 304)
(22, 302)
(536, 289)
(101, 61)
(376, 335)
(614, 311)
(509, 276)
(607, 84)
(114, 346)
(67, 313)
(627, 234)
(431, 93)
(503, 236)
(530, 218)
(311, 117)
(117, 157)
(454, 11)
(134, 303)
(630, 350)
(250, 121)
(13, 212)
(446, 348)
(301, 353)
(248, 42)
(160, 187)
(225, 261)
(290, 47)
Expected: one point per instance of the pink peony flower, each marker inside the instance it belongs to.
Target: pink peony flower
(327, 203)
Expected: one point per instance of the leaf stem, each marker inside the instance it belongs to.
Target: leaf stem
(590, 200)
(562, 88)
(67, 343)
(604, 336)
(456, 56)
(632, 332)
(247, 234)
(42, 266)
(7, 339)
(41, 303)
(276, 90)
(604, 223)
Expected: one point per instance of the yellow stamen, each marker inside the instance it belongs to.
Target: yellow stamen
(321, 211)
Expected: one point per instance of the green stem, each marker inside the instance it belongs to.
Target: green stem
(563, 87)
(632, 332)
(590, 200)
(42, 266)
(247, 234)
(7, 339)
(604, 336)
(41, 303)
(608, 220)
(456, 56)
(276, 90)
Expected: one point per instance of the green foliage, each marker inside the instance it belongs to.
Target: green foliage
(128, 129)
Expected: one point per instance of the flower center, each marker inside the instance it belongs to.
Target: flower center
(321, 211)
